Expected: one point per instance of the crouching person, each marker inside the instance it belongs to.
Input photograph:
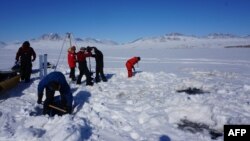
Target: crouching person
(130, 65)
(55, 81)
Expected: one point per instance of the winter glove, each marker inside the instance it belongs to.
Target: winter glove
(40, 97)
(89, 49)
(68, 109)
(133, 69)
(39, 101)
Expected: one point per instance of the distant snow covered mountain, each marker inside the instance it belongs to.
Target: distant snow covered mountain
(50, 36)
(165, 38)
(182, 37)
(248, 36)
(171, 40)
(2, 44)
(178, 40)
(221, 36)
(96, 41)
(57, 37)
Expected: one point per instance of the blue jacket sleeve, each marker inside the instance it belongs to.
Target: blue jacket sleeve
(41, 86)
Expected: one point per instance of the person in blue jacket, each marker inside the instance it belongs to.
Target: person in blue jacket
(55, 81)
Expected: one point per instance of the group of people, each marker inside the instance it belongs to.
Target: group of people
(56, 81)
(80, 58)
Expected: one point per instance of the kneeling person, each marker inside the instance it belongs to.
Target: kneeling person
(55, 81)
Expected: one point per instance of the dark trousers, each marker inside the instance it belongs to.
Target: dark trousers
(25, 71)
(72, 74)
(49, 100)
(99, 71)
(84, 71)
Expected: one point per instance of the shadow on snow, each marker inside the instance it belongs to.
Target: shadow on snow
(79, 100)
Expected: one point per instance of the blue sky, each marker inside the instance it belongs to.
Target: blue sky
(121, 20)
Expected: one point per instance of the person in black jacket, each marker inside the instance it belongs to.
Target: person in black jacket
(81, 59)
(99, 64)
(26, 55)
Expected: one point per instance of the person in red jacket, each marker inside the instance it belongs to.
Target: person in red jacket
(130, 65)
(81, 58)
(72, 62)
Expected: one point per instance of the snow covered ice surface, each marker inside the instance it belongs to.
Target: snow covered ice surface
(143, 108)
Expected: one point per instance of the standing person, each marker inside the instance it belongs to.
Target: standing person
(55, 81)
(81, 58)
(27, 55)
(72, 62)
(130, 65)
(99, 64)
